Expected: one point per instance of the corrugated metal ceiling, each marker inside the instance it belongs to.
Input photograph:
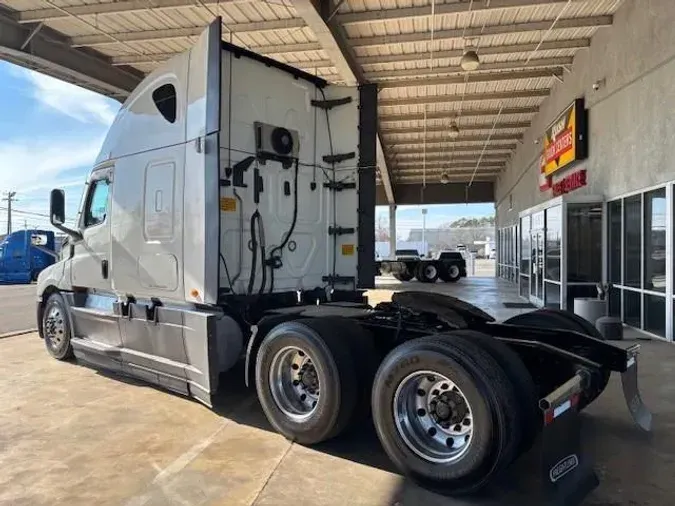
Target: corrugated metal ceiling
(395, 50)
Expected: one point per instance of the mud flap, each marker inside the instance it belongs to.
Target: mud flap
(629, 381)
(567, 474)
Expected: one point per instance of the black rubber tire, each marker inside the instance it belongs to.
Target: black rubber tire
(422, 276)
(449, 277)
(365, 358)
(337, 378)
(493, 400)
(549, 318)
(582, 323)
(63, 350)
(34, 275)
(521, 378)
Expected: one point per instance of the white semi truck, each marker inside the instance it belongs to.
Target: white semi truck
(230, 215)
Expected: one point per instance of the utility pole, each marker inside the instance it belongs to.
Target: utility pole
(9, 199)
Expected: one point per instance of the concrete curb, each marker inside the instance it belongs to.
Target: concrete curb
(17, 333)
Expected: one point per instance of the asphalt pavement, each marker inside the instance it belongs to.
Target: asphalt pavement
(17, 307)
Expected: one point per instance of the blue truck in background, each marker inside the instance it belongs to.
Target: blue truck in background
(23, 254)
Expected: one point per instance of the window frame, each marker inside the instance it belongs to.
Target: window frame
(96, 177)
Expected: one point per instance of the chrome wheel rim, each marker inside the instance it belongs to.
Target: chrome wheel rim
(54, 328)
(454, 271)
(433, 417)
(294, 383)
(430, 272)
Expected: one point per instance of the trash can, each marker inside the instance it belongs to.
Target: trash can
(610, 327)
(590, 308)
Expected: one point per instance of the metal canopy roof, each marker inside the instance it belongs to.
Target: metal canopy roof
(411, 48)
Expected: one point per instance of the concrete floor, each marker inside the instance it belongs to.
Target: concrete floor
(72, 435)
(17, 307)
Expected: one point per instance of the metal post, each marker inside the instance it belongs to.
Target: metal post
(9, 199)
(392, 231)
(424, 231)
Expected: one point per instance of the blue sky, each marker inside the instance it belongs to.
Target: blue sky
(408, 217)
(50, 134)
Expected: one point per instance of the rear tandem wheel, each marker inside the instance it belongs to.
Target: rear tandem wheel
(447, 413)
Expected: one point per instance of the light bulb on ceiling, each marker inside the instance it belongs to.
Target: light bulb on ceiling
(453, 130)
(470, 60)
(445, 179)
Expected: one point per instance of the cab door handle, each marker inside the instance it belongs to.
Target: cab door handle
(104, 269)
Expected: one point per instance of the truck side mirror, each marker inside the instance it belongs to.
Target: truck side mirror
(57, 213)
(57, 207)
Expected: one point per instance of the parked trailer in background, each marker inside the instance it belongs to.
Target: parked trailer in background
(448, 266)
(24, 254)
(231, 212)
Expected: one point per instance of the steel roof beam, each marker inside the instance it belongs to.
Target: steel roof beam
(330, 35)
(462, 128)
(460, 33)
(442, 9)
(476, 150)
(368, 60)
(173, 33)
(136, 59)
(470, 97)
(477, 77)
(124, 7)
(507, 65)
(471, 113)
(48, 52)
(442, 136)
(484, 50)
(177, 33)
(475, 142)
(451, 157)
(450, 147)
(466, 169)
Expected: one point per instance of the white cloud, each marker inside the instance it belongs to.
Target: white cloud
(29, 164)
(78, 103)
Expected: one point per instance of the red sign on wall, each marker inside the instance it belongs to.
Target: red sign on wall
(569, 183)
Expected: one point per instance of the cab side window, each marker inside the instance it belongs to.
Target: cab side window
(97, 203)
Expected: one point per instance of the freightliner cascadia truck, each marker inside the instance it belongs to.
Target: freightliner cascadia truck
(230, 216)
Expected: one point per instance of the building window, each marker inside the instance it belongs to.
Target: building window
(632, 308)
(553, 243)
(637, 260)
(655, 241)
(584, 243)
(632, 243)
(614, 241)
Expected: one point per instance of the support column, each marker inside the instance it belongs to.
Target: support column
(392, 231)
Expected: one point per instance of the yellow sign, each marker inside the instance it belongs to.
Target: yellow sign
(566, 139)
(348, 250)
(228, 204)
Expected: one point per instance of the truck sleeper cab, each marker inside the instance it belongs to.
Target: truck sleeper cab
(230, 214)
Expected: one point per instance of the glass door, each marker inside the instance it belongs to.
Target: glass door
(537, 262)
(538, 239)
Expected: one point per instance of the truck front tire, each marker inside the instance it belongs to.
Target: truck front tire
(306, 380)
(446, 413)
(56, 330)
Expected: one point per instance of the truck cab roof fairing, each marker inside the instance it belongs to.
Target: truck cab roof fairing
(299, 74)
